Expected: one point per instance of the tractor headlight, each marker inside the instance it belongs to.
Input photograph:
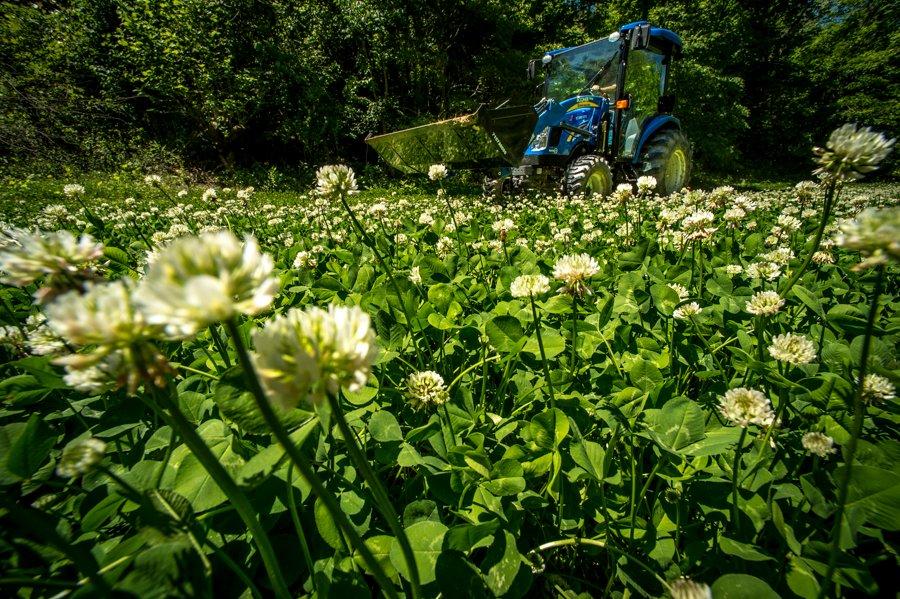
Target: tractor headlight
(539, 141)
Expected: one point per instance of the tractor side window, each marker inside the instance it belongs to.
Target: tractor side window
(644, 81)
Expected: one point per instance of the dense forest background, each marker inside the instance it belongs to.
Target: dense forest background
(225, 84)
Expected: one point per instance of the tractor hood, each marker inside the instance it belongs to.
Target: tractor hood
(487, 138)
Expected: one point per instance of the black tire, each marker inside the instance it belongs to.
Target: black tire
(667, 157)
(588, 175)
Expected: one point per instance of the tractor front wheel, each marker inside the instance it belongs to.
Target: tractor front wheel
(667, 157)
(588, 175)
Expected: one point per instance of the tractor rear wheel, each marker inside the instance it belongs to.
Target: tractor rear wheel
(667, 157)
(588, 175)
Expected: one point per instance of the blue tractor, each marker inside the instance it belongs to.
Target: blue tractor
(604, 117)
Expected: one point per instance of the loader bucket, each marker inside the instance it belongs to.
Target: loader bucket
(487, 138)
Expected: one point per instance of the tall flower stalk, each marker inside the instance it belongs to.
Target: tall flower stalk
(529, 286)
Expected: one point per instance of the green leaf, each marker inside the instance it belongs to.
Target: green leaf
(504, 332)
(645, 375)
(238, 405)
(717, 441)
(549, 428)
(679, 423)
(504, 566)
(877, 492)
(384, 428)
(31, 448)
(742, 586)
(589, 456)
(664, 298)
(380, 546)
(192, 481)
(506, 478)
(554, 343)
(426, 539)
(742, 550)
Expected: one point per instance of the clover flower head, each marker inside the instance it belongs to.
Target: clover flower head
(104, 315)
(877, 388)
(646, 184)
(426, 389)
(436, 172)
(734, 269)
(27, 256)
(573, 270)
(744, 407)
(209, 194)
(875, 233)
(415, 275)
(851, 152)
(793, 349)
(305, 259)
(765, 303)
(685, 311)
(335, 180)
(685, 588)
(529, 286)
(818, 444)
(73, 189)
(304, 354)
(698, 225)
(152, 180)
(822, 257)
(196, 281)
(80, 457)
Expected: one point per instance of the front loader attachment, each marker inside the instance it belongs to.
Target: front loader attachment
(487, 138)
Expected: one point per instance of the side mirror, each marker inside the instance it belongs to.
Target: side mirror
(531, 71)
(640, 37)
(666, 103)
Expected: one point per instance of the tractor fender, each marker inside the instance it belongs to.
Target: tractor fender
(660, 121)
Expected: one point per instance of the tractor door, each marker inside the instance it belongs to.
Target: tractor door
(645, 80)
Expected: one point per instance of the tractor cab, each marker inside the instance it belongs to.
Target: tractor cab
(604, 116)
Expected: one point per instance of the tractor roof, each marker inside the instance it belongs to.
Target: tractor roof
(669, 37)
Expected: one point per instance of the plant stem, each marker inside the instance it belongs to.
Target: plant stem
(306, 470)
(540, 340)
(593, 542)
(388, 271)
(173, 416)
(735, 479)
(859, 412)
(220, 346)
(830, 198)
(574, 362)
(295, 518)
(378, 492)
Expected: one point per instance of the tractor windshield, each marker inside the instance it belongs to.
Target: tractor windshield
(575, 71)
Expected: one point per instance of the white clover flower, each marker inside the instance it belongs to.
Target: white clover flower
(73, 189)
(686, 311)
(877, 388)
(12, 336)
(769, 271)
(182, 193)
(415, 275)
(196, 281)
(426, 219)
(646, 184)
(821, 257)
(529, 285)
(680, 290)
(875, 233)
(818, 444)
(426, 389)
(699, 225)
(305, 259)
(852, 152)
(436, 172)
(209, 195)
(335, 180)
(41, 339)
(244, 194)
(96, 378)
(574, 270)
(80, 457)
(104, 315)
(152, 180)
(793, 349)
(27, 256)
(304, 354)
(734, 269)
(444, 246)
(685, 588)
(744, 406)
(764, 303)
(734, 215)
